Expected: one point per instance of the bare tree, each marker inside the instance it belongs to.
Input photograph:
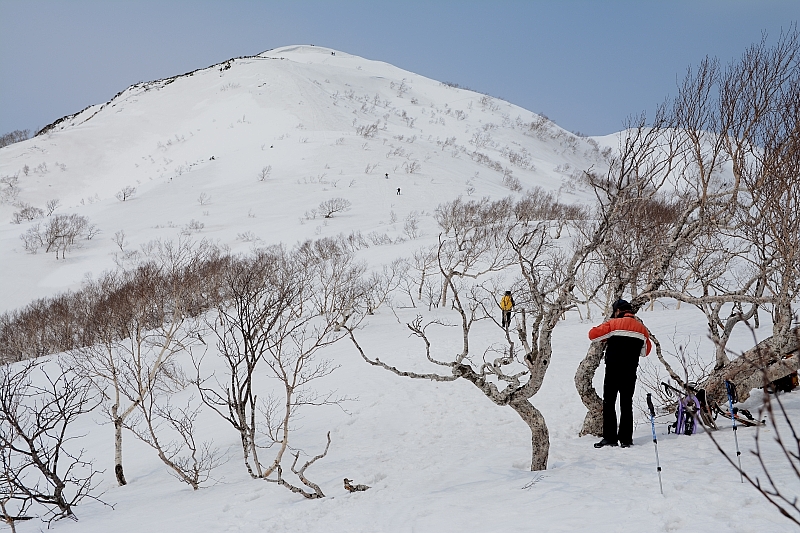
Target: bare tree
(9, 188)
(331, 287)
(471, 243)
(58, 234)
(256, 291)
(26, 213)
(368, 131)
(46, 326)
(145, 316)
(291, 360)
(68, 320)
(412, 167)
(549, 271)
(760, 132)
(381, 286)
(126, 193)
(760, 94)
(422, 269)
(52, 205)
(334, 205)
(411, 226)
(317, 492)
(119, 240)
(170, 430)
(479, 240)
(674, 150)
(13, 504)
(14, 137)
(281, 307)
(41, 465)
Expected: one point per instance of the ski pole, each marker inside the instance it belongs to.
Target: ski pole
(655, 440)
(729, 389)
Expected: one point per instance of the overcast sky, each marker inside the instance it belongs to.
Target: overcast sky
(585, 64)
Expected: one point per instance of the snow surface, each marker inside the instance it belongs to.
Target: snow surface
(439, 456)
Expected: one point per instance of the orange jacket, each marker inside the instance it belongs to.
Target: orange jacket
(626, 326)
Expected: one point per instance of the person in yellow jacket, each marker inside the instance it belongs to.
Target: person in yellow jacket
(506, 304)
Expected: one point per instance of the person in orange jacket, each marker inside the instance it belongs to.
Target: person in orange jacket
(626, 339)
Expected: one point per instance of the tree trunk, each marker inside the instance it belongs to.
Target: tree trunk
(246, 453)
(720, 357)
(118, 472)
(759, 365)
(593, 422)
(254, 452)
(446, 284)
(782, 334)
(540, 437)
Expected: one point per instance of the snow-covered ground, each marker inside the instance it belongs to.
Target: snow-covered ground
(438, 456)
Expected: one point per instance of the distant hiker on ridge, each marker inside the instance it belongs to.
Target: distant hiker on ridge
(506, 304)
(626, 339)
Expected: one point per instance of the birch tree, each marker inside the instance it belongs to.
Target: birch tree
(144, 317)
(473, 250)
(474, 231)
(255, 293)
(280, 308)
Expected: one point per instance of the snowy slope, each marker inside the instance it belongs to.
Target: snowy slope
(295, 109)
(440, 457)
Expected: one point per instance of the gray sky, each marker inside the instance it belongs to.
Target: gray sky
(585, 64)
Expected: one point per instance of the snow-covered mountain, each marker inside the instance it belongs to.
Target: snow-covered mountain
(243, 153)
(325, 124)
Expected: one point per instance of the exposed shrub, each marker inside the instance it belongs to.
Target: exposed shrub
(26, 213)
(14, 137)
(59, 233)
(126, 193)
(334, 205)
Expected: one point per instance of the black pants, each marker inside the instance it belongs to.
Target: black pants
(620, 379)
(506, 318)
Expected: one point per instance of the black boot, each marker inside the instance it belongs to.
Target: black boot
(605, 442)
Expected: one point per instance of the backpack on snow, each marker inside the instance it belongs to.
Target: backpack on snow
(689, 409)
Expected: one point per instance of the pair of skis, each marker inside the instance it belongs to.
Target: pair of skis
(742, 416)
